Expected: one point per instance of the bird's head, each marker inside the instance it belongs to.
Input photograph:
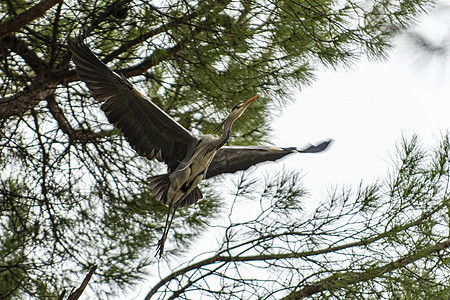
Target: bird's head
(235, 113)
(239, 109)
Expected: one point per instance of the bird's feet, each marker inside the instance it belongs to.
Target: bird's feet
(160, 247)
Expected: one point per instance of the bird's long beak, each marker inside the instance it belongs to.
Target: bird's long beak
(250, 100)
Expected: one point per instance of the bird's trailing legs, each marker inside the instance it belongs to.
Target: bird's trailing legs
(169, 219)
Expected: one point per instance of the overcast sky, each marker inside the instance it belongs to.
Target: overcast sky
(366, 110)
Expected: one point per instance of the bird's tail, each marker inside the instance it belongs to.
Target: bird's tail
(193, 197)
(159, 186)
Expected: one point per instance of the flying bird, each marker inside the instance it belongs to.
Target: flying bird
(154, 134)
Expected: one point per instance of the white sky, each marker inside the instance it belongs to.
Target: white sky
(365, 110)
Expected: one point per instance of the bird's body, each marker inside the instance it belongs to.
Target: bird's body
(154, 134)
(183, 180)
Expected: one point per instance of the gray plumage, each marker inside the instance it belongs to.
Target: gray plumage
(154, 134)
(230, 159)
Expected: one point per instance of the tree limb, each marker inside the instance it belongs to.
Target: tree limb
(170, 25)
(22, 101)
(339, 280)
(26, 17)
(74, 135)
(25, 100)
(102, 16)
(278, 256)
(77, 293)
(21, 48)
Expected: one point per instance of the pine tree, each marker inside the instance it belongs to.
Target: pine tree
(72, 190)
(386, 240)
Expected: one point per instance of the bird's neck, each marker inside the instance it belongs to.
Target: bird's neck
(225, 133)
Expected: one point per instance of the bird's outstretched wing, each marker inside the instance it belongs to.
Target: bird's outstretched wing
(234, 158)
(146, 127)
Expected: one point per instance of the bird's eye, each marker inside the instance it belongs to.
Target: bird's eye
(236, 106)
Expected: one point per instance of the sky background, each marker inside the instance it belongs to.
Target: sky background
(366, 110)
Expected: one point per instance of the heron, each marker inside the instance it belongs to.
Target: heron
(152, 133)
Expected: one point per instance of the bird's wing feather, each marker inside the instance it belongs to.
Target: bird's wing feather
(147, 128)
(230, 159)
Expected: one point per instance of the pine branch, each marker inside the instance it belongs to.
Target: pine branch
(160, 55)
(109, 10)
(153, 32)
(26, 17)
(219, 258)
(28, 98)
(22, 48)
(80, 135)
(340, 280)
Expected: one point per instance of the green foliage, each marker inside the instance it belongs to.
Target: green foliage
(387, 240)
(19, 230)
(76, 195)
